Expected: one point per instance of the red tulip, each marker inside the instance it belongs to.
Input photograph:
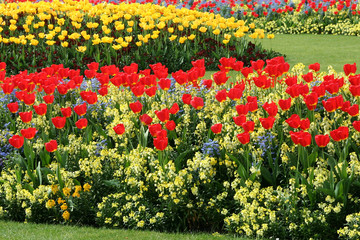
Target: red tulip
(356, 125)
(16, 141)
(353, 110)
(207, 83)
(197, 103)
(119, 129)
(309, 77)
(252, 106)
(293, 121)
(248, 126)
(285, 104)
(267, 123)
(242, 109)
(246, 71)
(257, 65)
(164, 84)
(7, 88)
(186, 98)
(315, 67)
(302, 138)
(154, 129)
(161, 143)
(94, 66)
(320, 90)
(59, 122)
(40, 109)
(220, 78)
(163, 115)
(239, 120)
(49, 89)
(136, 107)
(103, 91)
(271, 108)
(145, 119)
(305, 124)
(80, 109)
(170, 125)
(355, 90)
(81, 123)
(322, 140)
(26, 116)
(339, 134)
(244, 138)
(311, 100)
(51, 146)
(138, 90)
(174, 109)
(330, 105)
(235, 93)
(90, 97)
(29, 99)
(221, 95)
(180, 77)
(66, 112)
(216, 128)
(49, 99)
(62, 89)
(13, 107)
(151, 91)
(349, 68)
(28, 133)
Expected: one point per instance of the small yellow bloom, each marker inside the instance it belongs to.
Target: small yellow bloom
(66, 191)
(64, 207)
(50, 204)
(252, 25)
(87, 187)
(66, 215)
(54, 189)
(270, 36)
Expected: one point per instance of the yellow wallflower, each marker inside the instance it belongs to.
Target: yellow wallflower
(87, 187)
(203, 29)
(50, 204)
(66, 215)
(270, 36)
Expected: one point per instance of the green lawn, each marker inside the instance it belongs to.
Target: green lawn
(325, 49)
(15, 231)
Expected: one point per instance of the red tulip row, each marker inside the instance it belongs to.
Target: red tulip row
(28, 86)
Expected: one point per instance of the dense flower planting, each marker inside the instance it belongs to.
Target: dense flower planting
(37, 35)
(272, 153)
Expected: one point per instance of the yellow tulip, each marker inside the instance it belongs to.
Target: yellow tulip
(173, 37)
(81, 49)
(216, 31)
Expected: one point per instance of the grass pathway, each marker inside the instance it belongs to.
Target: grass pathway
(29, 231)
(325, 49)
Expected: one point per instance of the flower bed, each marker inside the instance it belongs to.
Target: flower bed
(37, 35)
(272, 153)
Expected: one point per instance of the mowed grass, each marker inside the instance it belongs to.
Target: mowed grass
(29, 231)
(328, 50)
(325, 49)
